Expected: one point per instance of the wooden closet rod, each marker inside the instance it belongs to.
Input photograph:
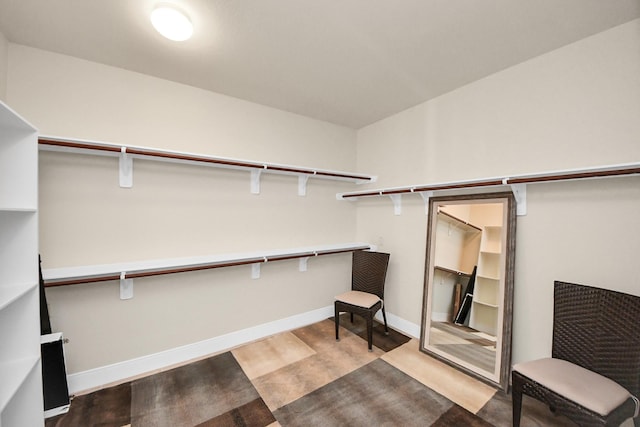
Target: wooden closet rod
(599, 172)
(157, 272)
(139, 151)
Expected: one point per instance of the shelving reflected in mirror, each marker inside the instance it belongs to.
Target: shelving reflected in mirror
(468, 293)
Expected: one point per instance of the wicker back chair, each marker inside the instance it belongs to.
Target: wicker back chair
(366, 297)
(593, 376)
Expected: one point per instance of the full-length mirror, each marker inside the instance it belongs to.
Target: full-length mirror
(468, 293)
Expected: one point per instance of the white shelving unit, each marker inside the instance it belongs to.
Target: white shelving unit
(486, 304)
(20, 373)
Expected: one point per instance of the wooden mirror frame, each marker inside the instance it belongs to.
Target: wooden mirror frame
(501, 378)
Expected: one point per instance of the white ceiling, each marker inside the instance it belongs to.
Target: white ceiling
(350, 62)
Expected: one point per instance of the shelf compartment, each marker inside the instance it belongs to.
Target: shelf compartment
(21, 408)
(18, 160)
(484, 318)
(487, 291)
(21, 314)
(492, 241)
(489, 265)
(19, 243)
(14, 375)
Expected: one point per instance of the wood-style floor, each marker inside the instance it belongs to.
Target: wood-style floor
(464, 343)
(306, 378)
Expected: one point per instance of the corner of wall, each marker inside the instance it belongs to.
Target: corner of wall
(4, 62)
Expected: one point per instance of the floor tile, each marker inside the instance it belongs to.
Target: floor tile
(376, 394)
(306, 377)
(385, 342)
(191, 394)
(252, 414)
(332, 360)
(107, 407)
(457, 416)
(498, 411)
(271, 354)
(466, 391)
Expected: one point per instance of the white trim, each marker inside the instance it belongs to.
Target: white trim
(57, 411)
(402, 325)
(118, 372)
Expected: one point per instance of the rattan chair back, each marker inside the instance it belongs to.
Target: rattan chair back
(598, 329)
(369, 270)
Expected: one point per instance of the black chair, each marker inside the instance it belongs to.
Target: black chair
(366, 297)
(593, 376)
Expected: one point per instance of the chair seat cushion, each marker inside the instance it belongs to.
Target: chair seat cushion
(359, 298)
(582, 386)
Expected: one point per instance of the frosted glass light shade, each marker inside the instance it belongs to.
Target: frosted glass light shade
(171, 23)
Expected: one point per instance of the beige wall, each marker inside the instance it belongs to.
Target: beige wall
(577, 106)
(574, 107)
(4, 62)
(176, 210)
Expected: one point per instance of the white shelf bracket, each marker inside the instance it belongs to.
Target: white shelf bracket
(302, 184)
(126, 287)
(302, 264)
(255, 269)
(126, 169)
(426, 195)
(255, 181)
(397, 203)
(520, 194)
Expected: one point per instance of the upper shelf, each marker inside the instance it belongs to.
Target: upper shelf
(465, 225)
(517, 183)
(126, 153)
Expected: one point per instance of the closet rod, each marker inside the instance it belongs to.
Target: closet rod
(158, 272)
(597, 172)
(117, 149)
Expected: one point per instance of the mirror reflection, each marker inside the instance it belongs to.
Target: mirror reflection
(468, 284)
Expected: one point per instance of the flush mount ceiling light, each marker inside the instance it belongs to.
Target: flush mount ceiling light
(171, 23)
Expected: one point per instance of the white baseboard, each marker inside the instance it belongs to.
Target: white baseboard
(441, 317)
(119, 372)
(404, 326)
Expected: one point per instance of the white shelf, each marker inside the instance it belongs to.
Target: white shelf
(127, 153)
(458, 222)
(475, 301)
(517, 184)
(164, 266)
(10, 294)
(12, 209)
(452, 271)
